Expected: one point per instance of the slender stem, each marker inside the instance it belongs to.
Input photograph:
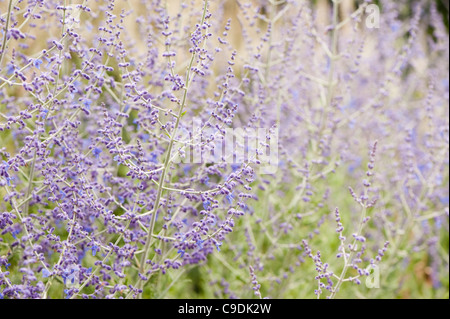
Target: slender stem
(348, 260)
(167, 161)
(6, 32)
(163, 177)
(50, 282)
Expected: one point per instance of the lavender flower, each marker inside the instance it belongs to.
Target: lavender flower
(117, 179)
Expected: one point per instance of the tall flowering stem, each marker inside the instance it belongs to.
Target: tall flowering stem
(333, 57)
(167, 162)
(5, 32)
(164, 149)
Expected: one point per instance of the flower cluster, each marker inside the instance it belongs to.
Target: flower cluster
(106, 106)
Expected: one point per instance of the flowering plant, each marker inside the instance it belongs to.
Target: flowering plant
(226, 149)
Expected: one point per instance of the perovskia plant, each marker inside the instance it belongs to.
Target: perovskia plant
(103, 105)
